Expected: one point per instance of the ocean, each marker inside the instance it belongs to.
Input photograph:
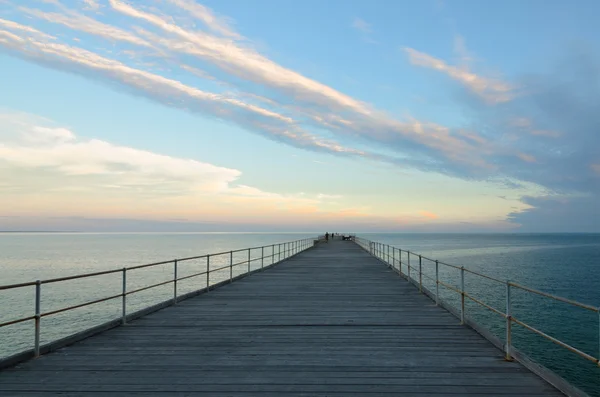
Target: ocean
(563, 264)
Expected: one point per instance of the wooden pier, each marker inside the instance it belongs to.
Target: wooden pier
(330, 321)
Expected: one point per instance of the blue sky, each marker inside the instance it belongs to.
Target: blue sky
(283, 115)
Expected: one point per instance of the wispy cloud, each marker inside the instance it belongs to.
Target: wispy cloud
(86, 24)
(91, 5)
(10, 25)
(527, 125)
(219, 25)
(490, 89)
(338, 112)
(365, 29)
(361, 25)
(428, 215)
(328, 196)
(243, 62)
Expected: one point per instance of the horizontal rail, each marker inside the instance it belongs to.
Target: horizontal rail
(64, 309)
(148, 287)
(428, 277)
(151, 265)
(19, 285)
(198, 257)
(558, 342)
(191, 276)
(453, 288)
(216, 270)
(485, 276)
(20, 320)
(558, 298)
(493, 309)
(68, 278)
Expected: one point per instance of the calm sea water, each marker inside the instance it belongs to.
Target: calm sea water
(563, 264)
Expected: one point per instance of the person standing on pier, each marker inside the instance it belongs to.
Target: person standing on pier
(327, 237)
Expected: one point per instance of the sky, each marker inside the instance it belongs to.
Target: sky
(280, 115)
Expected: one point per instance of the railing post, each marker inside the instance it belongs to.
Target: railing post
(462, 295)
(400, 260)
(394, 257)
(262, 257)
(248, 260)
(420, 274)
(279, 252)
(207, 273)
(408, 264)
(230, 266)
(272, 254)
(124, 298)
(38, 317)
(388, 254)
(508, 356)
(175, 281)
(437, 283)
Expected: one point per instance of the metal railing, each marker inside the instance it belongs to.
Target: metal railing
(279, 252)
(395, 258)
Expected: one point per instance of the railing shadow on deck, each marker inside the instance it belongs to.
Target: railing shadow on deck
(393, 258)
(270, 255)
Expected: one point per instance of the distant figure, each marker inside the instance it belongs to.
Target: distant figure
(327, 237)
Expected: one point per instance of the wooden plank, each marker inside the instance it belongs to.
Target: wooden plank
(330, 321)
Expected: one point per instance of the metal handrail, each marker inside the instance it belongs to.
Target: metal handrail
(381, 251)
(276, 255)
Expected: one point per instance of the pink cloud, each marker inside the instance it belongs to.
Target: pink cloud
(428, 215)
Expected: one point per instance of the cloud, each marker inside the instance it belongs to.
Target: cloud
(596, 168)
(365, 30)
(417, 143)
(491, 90)
(546, 133)
(328, 196)
(510, 140)
(46, 168)
(86, 24)
(556, 214)
(91, 5)
(218, 25)
(10, 25)
(526, 124)
(361, 25)
(57, 149)
(559, 100)
(428, 215)
(460, 49)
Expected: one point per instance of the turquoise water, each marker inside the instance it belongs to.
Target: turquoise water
(567, 265)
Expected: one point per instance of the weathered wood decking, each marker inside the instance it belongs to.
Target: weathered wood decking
(332, 321)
